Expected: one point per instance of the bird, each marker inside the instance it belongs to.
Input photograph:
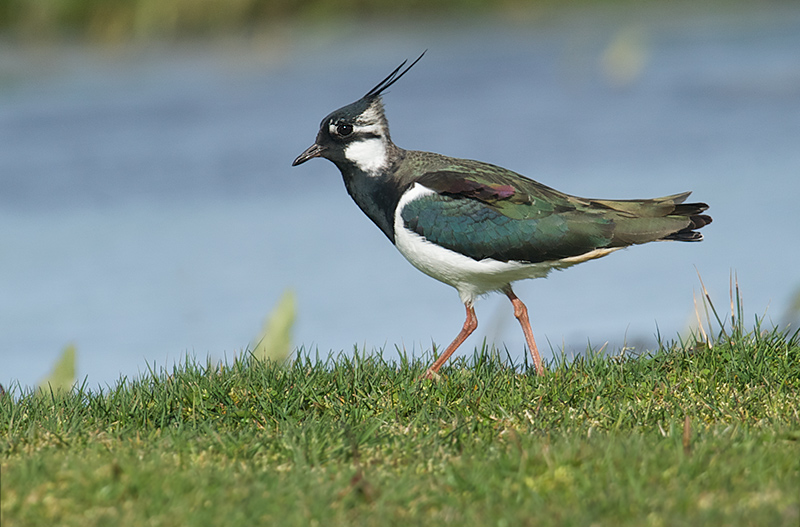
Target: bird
(476, 226)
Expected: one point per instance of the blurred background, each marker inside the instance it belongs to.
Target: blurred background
(148, 210)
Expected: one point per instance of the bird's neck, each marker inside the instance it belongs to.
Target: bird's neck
(376, 192)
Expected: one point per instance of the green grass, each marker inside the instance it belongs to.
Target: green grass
(689, 435)
(123, 20)
(115, 21)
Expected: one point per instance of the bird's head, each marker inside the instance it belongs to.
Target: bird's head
(358, 133)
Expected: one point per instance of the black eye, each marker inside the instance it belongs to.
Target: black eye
(344, 129)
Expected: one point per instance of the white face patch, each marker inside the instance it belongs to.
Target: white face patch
(368, 154)
(371, 115)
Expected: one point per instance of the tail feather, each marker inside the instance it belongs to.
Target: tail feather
(667, 218)
(689, 209)
(697, 221)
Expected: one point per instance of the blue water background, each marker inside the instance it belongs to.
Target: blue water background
(148, 209)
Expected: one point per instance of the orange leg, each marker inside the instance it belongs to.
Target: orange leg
(469, 326)
(521, 312)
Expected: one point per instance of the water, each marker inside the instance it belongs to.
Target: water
(149, 210)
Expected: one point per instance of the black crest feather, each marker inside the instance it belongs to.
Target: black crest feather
(392, 78)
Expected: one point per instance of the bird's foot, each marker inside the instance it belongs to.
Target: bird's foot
(431, 375)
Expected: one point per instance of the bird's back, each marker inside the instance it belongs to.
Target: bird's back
(485, 211)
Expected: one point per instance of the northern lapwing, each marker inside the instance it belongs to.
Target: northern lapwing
(479, 227)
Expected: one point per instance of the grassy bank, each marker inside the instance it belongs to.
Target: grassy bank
(113, 21)
(691, 434)
(119, 20)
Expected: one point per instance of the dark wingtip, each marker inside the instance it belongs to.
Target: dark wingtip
(688, 209)
(393, 77)
(698, 221)
(685, 235)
